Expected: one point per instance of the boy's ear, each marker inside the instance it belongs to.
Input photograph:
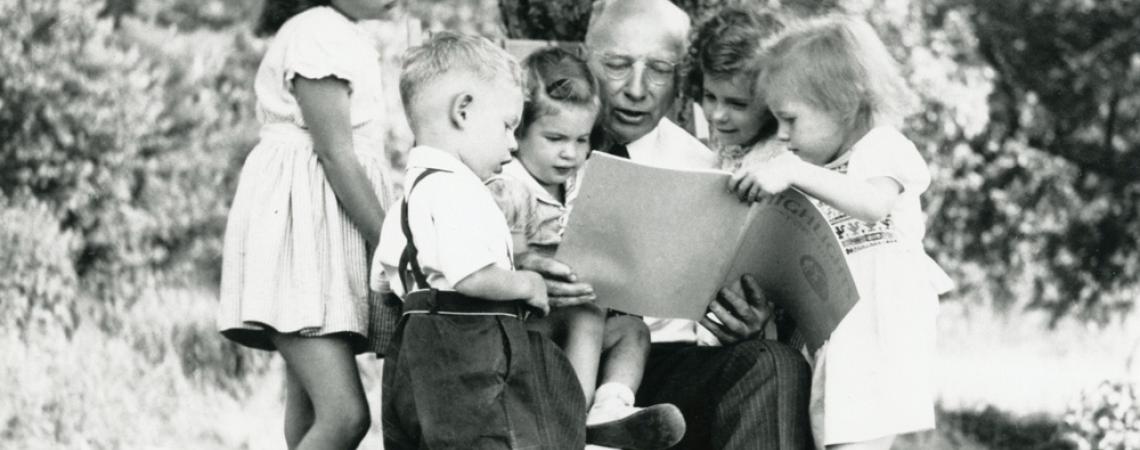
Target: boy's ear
(460, 109)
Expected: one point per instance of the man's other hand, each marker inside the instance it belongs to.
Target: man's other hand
(738, 315)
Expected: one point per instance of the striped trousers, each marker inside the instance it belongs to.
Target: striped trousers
(751, 395)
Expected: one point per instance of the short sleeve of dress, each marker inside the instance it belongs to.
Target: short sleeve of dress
(320, 46)
(885, 152)
(516, 201)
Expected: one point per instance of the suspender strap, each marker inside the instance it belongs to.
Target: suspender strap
(432, 301)
(409, 263)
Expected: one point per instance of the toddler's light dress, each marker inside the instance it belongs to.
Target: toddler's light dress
(293, 261)
(874, 376)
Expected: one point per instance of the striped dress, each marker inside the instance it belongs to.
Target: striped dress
(293, 262)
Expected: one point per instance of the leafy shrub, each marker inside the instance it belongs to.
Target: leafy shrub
(37, 279)
(96, 389)
(1107, 418)
(131, 149)
(74, 105)
(1001, 430)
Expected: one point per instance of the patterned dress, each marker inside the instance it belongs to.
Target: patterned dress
(732, 157)
(874, 376)
(293, 262)
(529, 209)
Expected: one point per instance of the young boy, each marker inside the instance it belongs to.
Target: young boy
(463, 371)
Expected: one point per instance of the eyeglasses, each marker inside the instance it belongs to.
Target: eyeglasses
(620, 67)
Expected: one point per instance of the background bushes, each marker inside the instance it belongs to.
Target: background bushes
(123, 125)
(37, 277)
(119, 154)
(131, 148)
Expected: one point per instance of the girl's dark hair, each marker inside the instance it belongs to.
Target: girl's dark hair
(555, 76)
(728, 44)
(274, 13)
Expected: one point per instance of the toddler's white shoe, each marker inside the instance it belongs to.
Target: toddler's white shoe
(616, 424)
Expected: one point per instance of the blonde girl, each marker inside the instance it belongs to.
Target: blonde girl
(839, 99)
(308, 207)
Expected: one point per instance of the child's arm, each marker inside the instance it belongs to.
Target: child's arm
(495, 283)
(325, 107)
(868, 200)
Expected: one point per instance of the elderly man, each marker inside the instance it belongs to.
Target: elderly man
(735, 389)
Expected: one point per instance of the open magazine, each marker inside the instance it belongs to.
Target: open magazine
(661, 242)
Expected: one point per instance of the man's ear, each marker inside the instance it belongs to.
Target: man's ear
(460, 109)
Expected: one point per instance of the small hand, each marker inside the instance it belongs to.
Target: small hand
(739, 316)
(562, 285)
(773, 176)
(538, 299)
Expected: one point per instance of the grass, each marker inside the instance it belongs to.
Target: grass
(1015, 363)
(162, 379)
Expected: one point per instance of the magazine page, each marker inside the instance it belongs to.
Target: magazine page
(790, 249)
(654, 242)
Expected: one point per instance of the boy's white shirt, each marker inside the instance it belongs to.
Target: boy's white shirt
(669, 146)
(457, 226)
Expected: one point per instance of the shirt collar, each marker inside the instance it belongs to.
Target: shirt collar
(516, 169)
(644, 145)
(425, 157)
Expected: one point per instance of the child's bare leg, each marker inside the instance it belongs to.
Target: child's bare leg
(578, 330)
(883, 443)
(325, 368)
(625, 351)
(298, 410)
(613, 420)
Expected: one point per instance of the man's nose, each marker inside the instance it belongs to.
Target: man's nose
(635, 86)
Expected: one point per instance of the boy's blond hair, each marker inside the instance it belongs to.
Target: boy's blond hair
(838, 63)
(448, 54)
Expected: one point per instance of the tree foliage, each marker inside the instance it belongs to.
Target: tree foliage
(128, 148)
(1053, 215)
(1025, 118)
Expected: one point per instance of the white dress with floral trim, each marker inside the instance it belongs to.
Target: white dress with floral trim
(874, 376)
(293, 261)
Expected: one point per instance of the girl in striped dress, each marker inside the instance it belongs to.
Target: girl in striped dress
(308, 209)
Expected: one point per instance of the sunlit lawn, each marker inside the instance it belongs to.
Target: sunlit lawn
(1012, 362)
(1009, 362)
(1016, 364)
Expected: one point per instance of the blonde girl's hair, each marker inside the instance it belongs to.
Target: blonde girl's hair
(838, 64)
(555, 78)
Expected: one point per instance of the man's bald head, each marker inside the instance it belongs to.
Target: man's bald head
(652, 19)
(634, 48)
